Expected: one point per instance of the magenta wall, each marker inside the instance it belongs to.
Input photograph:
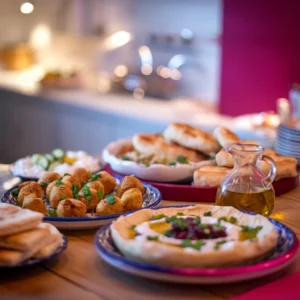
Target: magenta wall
(261, 54)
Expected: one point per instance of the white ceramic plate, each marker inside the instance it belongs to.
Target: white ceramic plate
(155, 172)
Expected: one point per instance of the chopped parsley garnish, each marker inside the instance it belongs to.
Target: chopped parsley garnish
(152, 238)
(63, 197)
(207, 214)
(182, 159)
(110, 199)
(158, 217)
(218, 244)
(58, 182)
(125, 157)
(251, 229)
(196, 245)
(132, 227)
(75, 189)
(222, 219)
(168, 233)
(100, 194)
(180, 214)
(232, 220)
(94, 177)
(197, 220)
(147, 165)
(67, 174)
(52, 212)
(249, 233)
(171, 219)
(87, 193)
(15, 193)
(43, 184)
(172, 163)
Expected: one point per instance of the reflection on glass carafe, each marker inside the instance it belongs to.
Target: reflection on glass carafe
(246, 187)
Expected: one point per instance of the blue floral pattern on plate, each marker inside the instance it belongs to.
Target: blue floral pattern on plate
(152, 198)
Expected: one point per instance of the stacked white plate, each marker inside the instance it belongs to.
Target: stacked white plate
(288, 141)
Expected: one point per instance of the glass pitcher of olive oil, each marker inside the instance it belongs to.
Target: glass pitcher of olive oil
(246, 187)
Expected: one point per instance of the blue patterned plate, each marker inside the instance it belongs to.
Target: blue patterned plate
(152, 198)
(284, 253)
(34, 261)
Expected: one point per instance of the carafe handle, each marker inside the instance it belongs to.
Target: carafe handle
(271, 176)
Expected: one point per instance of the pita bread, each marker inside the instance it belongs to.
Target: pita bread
(225, 137)
(224, 159)
(155, 144)
(286, 167)
(55, 242)
(26, 240)
(192, 138)
(210, 175)
(14, 219)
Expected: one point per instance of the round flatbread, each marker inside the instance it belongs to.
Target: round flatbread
(197, 236)
(225, 137)
(191, 137)
(210, 175)
(155, 144)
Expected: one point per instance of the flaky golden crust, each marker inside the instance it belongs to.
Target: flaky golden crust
(31, 188)
(225, 137)
(108, 181)
(192, 138)
(58, 193)
(71, 208)
(157, 145)
(210, 175)
(105, 208)
(132, 199)
(129, 182)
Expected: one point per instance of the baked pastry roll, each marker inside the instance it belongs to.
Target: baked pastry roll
(192, 138)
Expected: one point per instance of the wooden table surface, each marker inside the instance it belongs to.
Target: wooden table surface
(79, 273)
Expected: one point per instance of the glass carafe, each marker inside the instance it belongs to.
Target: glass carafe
(246, 187)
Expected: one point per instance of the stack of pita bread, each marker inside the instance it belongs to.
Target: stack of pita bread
(213, 175)
(23, 236)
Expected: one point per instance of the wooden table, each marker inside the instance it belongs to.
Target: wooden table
(79, 273)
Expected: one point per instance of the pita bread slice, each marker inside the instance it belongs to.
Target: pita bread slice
(50, 248)
(53, 243)
(10, 257)
(14, 219)
(25, 240)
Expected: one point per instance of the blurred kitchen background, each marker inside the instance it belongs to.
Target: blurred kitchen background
(80, 73)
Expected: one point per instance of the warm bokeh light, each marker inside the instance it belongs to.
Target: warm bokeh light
(146, 60)
(121, 71)
(27, 8)
(117, 39)
(146, 69)
(175, 74)
(138, 93)
(165, 72)
(40, 37)
(103, 82)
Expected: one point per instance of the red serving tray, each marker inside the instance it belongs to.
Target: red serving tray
(187, 192)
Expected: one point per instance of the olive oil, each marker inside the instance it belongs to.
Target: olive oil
(160, 227)
(258, 200)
